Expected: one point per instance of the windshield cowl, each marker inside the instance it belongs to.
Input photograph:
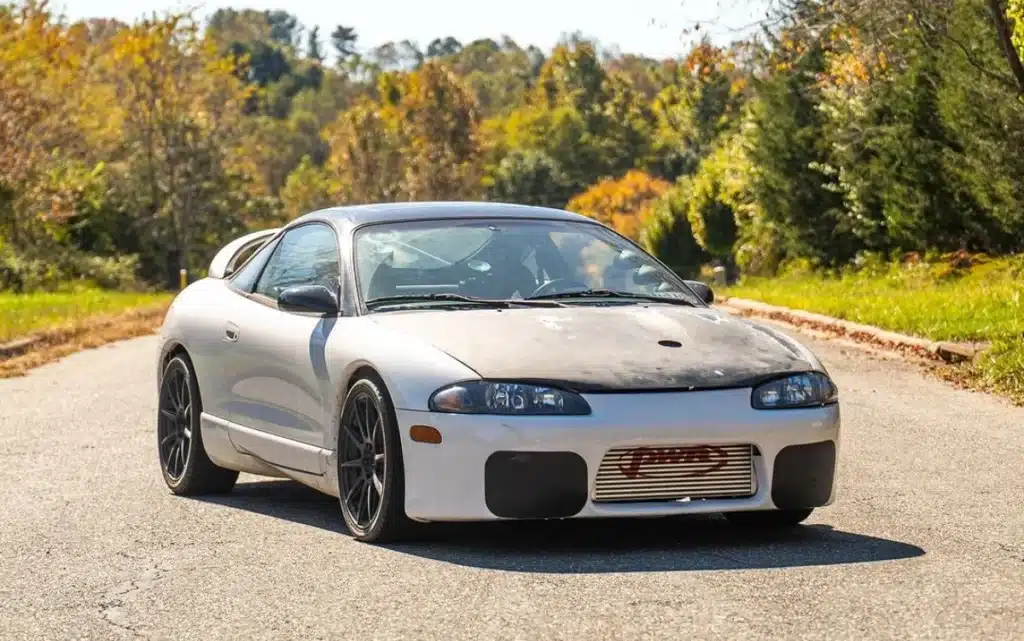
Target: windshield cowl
(607, 293)
(452, 300)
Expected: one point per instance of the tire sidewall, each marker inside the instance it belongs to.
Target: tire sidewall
(393, 459)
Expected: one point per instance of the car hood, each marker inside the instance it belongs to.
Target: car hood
(608, 348)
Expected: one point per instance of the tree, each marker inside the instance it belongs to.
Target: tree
(691, 113)
(285, 29)
(666, 233)
(314, 50)
(418, 142)
(441, 47)
(529, 178)
(439, 118)
(366, 156)
(306, 189)
(789, 148)
(179, 103)
(624, 203)
(344, 41)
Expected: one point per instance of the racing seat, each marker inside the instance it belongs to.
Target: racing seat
(384, 281)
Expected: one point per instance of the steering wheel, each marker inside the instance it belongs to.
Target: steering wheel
(547, 287)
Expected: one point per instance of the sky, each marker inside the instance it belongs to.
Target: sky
(649, 27)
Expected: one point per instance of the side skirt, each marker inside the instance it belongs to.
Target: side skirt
(241, 448)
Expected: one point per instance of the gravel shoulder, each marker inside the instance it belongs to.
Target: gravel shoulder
(926, 540)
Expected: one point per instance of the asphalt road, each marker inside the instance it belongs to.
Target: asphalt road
(925, 542)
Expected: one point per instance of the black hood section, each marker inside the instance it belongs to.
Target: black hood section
(608, 348)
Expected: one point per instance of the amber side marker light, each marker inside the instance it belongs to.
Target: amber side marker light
(425, 434)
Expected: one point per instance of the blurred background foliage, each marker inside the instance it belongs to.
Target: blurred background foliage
(841, 130)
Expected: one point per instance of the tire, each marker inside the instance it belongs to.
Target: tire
(383, 504)
(769, 519)
(186, 468)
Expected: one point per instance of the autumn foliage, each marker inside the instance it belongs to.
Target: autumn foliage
(846, 128)
(625, 203)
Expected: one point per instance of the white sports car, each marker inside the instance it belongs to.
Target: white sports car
(472, 361)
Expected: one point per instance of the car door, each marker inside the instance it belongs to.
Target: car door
(279, 386)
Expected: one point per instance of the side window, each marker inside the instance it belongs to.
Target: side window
(245, 278)
(306, 255)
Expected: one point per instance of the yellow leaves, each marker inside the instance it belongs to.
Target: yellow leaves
(1015, 14)
(624, 203)
(418, 142)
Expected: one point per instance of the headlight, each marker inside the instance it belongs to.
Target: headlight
(487, 397)
(811, 389)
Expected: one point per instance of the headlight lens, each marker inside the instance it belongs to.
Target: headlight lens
(811, 389)
(489, 397)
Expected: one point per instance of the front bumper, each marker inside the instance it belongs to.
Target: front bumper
(491, 467)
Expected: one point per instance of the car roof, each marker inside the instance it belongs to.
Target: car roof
(408, 211)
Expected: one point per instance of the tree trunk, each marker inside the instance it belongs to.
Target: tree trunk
(1002, 26)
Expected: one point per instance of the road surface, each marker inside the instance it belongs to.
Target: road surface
(925, 542)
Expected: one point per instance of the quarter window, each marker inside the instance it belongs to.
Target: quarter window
(306, 255)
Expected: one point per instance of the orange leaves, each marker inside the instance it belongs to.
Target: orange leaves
(624, 203)
(706, 59)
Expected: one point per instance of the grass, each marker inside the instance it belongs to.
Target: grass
(66, 322)
(27, 314)
(956, 299)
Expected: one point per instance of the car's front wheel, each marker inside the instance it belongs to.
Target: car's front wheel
(769, 519)
(186, 468)
(371, 479)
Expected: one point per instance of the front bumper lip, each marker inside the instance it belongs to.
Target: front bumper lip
(447, 482)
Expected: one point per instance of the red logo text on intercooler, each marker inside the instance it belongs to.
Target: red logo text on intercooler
(652, 462)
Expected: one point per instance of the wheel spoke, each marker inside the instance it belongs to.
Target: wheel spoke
(168, 414)
(377, 458)
(376, 432)
(357, 420)
(352, 436)
(172, 459)
(369, 504)
(187, 432)
(366, 416)
(352, 490)
(174, 392)
(167, 439)
(351, 464)
(377, 484)
(183, 392)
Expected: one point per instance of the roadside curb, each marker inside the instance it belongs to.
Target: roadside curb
(949, 352)
(19, 346)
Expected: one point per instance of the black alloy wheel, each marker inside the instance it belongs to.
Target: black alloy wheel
(371, 479)
(186, 468)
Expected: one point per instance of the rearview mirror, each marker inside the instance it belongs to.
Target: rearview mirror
(702, 290)
(308, 298)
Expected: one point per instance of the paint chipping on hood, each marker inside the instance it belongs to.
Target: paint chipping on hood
(607, 348)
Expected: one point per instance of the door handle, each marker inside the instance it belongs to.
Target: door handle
(231, 332)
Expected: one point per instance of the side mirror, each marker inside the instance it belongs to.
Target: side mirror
(702, 290)
(308, 298)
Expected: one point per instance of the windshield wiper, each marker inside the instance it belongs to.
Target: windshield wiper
(610, 293)
(458, 298)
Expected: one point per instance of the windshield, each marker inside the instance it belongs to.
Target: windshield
(503, 259)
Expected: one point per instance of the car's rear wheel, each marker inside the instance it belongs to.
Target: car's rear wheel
(371, 478)
(769, 519)
(186, 468)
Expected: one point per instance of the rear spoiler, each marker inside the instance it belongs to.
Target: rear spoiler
(226, 261)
